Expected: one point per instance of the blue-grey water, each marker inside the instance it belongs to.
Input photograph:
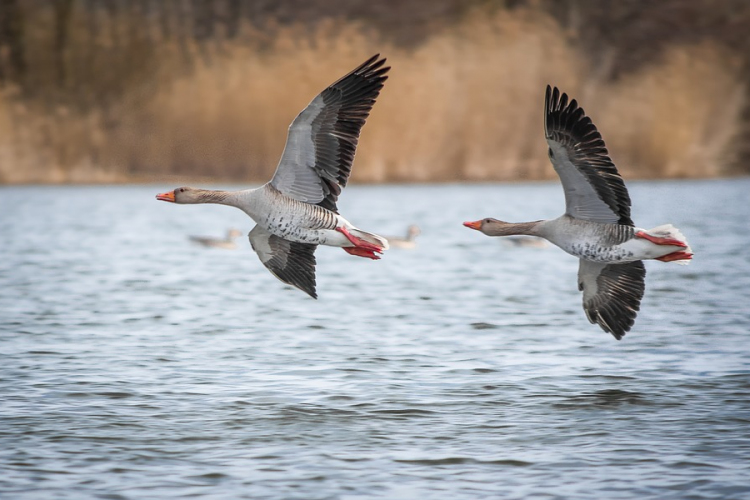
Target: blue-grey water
(136, 365)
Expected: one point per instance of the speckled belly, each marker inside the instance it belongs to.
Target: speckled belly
(304, 229)
(601, 253)
(328, 237)
(592, 241)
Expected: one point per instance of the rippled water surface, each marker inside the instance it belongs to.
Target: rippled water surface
(136, 365)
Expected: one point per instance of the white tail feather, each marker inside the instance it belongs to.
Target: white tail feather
(370, 238)
(669, 231)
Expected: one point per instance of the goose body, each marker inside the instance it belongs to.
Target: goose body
(596, 227)
(608, 243)
(296, 210)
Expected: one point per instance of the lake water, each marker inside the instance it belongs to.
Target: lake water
(136, 365)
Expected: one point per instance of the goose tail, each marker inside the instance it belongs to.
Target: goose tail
(670, 235)
(370, 238)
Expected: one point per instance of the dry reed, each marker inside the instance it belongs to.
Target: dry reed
(464, 105)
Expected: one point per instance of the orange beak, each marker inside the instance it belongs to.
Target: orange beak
(168, 196)
(474, 225)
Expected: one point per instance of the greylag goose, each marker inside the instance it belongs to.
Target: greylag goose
(226, 243)
(296, 210)
(596, 226)
(405, 242)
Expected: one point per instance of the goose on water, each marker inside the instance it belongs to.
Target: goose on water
(526, 241)
(596, 226)
(296, 210)
(226, 242)
(407, 242)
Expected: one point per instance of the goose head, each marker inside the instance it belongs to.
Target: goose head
(482, 225)
(494, 227)
(183, 195)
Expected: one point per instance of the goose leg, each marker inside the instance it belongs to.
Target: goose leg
(361, 252)
(675, 256)
(660, 241)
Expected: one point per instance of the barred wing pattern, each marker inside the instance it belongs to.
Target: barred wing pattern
(612, 294)
(594, 190)
(322, 140)
(291, 262)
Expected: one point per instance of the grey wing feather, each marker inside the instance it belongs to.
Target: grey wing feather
(612, 294)
(291, 262)
(594, 190)
(322, 140)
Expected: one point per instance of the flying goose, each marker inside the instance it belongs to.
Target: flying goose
(296, 211)
(596, 226)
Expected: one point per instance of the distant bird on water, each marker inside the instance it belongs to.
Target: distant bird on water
(526, 241)
(226, 243)
(596, 226)
(409, 241)
(296, 211)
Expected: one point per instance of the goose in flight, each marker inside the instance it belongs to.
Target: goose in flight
(596, 226)
(296, 210)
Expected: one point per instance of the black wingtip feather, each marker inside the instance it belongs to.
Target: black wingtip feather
(297, 268)
(348, 104)
(566, 122)
(369, 69)
(621, 291)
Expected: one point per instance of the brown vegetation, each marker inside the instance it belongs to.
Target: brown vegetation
(126, 94)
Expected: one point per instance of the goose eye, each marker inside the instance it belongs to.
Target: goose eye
(182, 190)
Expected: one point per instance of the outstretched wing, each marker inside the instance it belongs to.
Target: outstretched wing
(612, 293)
(291, 262)
(322, 140)
(594, 190)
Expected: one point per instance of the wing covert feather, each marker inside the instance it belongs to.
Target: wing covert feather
(322, 140)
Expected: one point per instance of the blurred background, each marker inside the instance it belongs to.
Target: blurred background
(146, 90)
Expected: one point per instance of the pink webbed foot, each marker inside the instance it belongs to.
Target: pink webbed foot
(670, 257)
(359, 242)
(361, 252)
(661, 241)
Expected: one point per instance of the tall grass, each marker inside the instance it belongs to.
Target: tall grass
(464, 105)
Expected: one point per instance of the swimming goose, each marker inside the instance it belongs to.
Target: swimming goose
(526, 241)
(227, 242)
(596, 226)
(405, 242)
(296, 211)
